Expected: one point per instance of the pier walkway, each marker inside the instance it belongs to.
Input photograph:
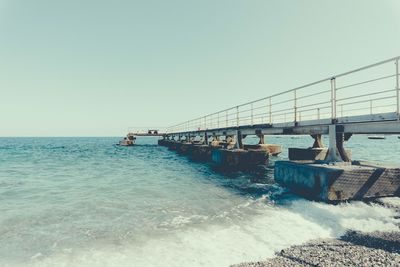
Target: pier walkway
(362, 101)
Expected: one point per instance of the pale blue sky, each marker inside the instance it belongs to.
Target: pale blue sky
(94, 68)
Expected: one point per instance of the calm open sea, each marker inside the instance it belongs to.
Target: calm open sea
(88, 202)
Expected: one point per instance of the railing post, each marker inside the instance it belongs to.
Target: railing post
(226, 119)
(218, 120)
(205, 122)
(318, 114)
(295, 107)
(370, 107)
(333, 99)
(252, 121)
(237, 116)
(270, 111)
(397, 88)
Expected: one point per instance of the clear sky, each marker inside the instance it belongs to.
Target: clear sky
(95, 68)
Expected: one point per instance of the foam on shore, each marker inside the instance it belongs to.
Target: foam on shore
(231, 240)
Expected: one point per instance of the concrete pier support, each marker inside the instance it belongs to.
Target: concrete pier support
(205, 140)
(239, 140)
(174, 145)
(230, 142)
(203, 152)
(223, 153)
(184, 147)
(161, 142)
(317, 141)
(262, 138)
(308, 153)
(338, 182)
(318, 154)
(272, 149)
(335, 152)
(239, 159)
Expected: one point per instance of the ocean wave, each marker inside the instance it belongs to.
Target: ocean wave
(251, 239)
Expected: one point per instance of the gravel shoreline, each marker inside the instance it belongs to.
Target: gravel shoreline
(351, 249)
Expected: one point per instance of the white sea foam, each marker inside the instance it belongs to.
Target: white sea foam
(222, 244)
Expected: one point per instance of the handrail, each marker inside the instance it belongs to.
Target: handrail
(267, 108)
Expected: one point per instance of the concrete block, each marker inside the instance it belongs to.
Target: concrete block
(202, 152)
(310, 153)
(272, 149)
(184, 148)
(162, 142)
(338, 182)
(173, 145)
(239, 158)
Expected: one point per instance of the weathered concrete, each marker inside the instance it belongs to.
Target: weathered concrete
(162, 142)
(184, 148)
(239, 159)
(173, 145)
(307, 153)
(311, 153)
(201, 153)
(195, 150)
(170, 144)
(338, 182)
(272, 149)
(248, 158)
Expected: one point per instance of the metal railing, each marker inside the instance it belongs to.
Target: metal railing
(145, 129)
(373, 89)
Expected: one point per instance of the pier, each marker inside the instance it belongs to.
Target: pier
(362, 101)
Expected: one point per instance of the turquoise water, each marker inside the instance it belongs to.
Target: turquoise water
(88, 202)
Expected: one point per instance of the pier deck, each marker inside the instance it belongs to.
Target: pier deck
(362, 101)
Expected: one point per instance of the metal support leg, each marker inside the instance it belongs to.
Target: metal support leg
(397, 89)
(262, 139)
(340, 138)
(239, 140)
(229, 140)
(215, 140)
(317, 141)
(205, 139)
(347, 136)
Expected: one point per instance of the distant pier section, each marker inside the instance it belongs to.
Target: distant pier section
(362, 101)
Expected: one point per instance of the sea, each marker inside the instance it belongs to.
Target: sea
(85, 201)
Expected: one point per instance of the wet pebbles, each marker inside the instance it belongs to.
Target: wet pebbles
(352, 249)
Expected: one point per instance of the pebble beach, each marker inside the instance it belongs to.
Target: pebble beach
(351, 249)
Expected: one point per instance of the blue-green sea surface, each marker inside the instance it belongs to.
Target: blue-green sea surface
(88, 202)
